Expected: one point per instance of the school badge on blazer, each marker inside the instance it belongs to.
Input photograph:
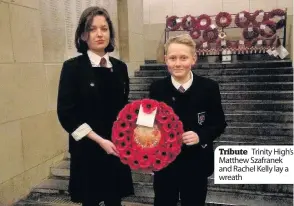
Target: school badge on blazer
(201, 118)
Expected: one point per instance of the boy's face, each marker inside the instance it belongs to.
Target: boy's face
(179, 60)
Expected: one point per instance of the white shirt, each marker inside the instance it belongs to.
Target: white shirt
(95, 59)
(186, 85)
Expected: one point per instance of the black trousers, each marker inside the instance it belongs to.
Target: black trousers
(180, 180)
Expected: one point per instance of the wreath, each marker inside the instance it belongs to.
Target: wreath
(210, 34)
(203, 22)
(277, 12)
(243, 19)
(223, 19)
(271, 25)
(258, 17)
(189, 22)
(172, 23)
(147, 148)
(195, 33)
(250, 33)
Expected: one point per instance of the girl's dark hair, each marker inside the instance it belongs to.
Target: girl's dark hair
(85, 23)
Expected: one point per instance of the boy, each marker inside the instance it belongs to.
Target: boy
(197, 102)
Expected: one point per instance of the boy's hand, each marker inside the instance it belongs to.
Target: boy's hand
(190, 138)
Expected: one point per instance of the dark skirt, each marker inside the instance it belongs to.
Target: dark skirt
(96, 176)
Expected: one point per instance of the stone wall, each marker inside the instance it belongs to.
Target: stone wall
(36, 37)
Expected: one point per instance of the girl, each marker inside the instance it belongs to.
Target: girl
(93, 88)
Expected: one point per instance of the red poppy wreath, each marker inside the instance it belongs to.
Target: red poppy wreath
(147, 148)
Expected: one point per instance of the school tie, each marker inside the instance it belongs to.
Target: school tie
(181, 89)
(103, 62)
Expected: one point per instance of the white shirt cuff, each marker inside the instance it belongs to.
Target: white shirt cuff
(81, 131)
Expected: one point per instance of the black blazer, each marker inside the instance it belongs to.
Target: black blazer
(93, 96)
(77, 100)
(200, 110)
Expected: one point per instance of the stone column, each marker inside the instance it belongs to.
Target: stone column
(130, 30)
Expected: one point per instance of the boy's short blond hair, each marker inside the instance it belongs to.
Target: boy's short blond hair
(185, 39)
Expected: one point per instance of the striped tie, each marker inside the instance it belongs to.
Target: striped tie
(103, 62)
(181, 89)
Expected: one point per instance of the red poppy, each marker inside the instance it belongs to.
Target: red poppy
(174, 118)
(174, 147)
(179, 138)
(172, 156)
(179, 127)
(145, 160)
(149, 105)
(164, 112)
(158, 164)
(127, 115)
(127, 153)
(165, 108)
(168, 126)
(119, 135)
(161, 117)
(128, 139)
(124, 160)
(122, 113)
(122, 125)
(122, 144)
(133, 162)
(171, 136)
(135, 107)
(163, 154)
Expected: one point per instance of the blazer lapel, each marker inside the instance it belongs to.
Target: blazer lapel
(85, 62)
(87, 72)
(114, 64)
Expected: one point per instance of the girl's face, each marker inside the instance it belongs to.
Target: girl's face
(99, 35)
